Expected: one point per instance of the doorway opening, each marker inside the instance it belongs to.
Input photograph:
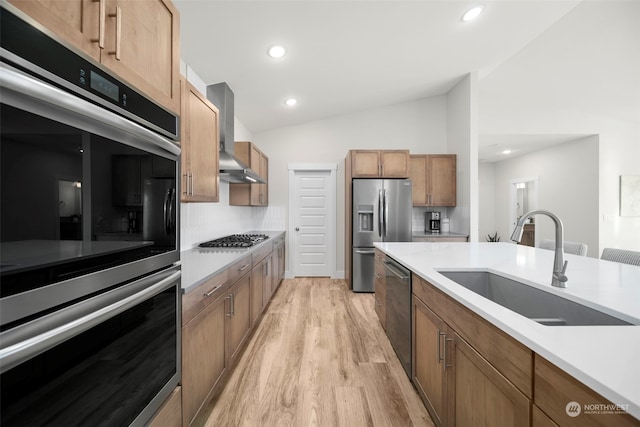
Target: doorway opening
(523, 197)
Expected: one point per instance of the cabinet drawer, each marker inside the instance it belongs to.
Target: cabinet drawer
(197, 299)
(511, 358)
(554, 389)
(261, 253)
(238, 268)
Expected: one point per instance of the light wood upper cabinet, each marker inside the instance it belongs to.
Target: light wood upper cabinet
(250, 194)
(379, 163)
(433, 178)
(144, 47)
(200, 147)
(74, 21)
(139, 40)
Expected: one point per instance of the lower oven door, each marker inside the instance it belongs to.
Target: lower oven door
(110, 360)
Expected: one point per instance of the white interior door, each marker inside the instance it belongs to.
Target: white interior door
(312, 221)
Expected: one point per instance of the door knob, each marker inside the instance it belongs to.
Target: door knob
(297, 228)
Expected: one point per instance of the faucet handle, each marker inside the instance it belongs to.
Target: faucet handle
(560, 276)
(564, 267)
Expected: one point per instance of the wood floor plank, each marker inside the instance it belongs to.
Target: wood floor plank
(318, 358)
(352, 407)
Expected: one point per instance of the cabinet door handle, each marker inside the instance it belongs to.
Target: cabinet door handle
(186, 184)
(228, 297)
(101, 22)
(233, 304)
(118, 16)
(191, 183)
(446, 365)
(439, 335)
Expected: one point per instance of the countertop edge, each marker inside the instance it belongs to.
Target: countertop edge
(198, 255)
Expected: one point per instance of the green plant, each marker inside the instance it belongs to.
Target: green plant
(494, 238)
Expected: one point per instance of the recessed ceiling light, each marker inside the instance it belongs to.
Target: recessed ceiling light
(277, 51)
(473, 13)
(291, 102)
(506, 152)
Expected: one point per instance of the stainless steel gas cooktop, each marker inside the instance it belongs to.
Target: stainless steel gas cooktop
(235, 241)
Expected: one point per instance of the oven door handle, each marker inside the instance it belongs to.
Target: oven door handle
(22, 351)
(31, 94)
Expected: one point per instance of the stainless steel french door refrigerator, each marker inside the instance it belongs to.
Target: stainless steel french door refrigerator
(381, 213)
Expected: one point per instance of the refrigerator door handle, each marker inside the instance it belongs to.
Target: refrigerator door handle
(380, 213)
(385, 212)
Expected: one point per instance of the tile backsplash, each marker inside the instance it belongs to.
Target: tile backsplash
(417, 218)
(200, 222)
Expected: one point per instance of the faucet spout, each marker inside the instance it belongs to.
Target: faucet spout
(559, 277)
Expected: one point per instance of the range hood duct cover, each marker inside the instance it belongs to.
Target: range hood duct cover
(232, 170)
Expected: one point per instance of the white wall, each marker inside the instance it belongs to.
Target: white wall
(462, 140)
(567, 174)
(579, 77)
(487, 202)
(419, 126)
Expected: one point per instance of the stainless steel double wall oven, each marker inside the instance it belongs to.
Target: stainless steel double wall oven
(89, 272)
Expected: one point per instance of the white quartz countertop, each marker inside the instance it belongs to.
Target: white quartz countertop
(605, 358)
(199, 264)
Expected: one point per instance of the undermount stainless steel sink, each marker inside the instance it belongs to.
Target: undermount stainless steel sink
(543, 307)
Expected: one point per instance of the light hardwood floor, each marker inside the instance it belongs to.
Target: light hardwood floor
(318, 358)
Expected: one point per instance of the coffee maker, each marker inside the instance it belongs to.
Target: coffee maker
(432, 222)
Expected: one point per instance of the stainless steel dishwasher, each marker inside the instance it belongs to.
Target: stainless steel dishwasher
(398, 318)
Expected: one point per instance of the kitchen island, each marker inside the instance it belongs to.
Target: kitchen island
(604, 358)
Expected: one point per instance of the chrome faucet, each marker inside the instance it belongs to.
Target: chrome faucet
(559, 264)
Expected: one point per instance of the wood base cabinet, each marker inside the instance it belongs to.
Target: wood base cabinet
(458, 385)
(204, 356)
(555, 390)
(170, 413)
(428, 366)
(480, 394)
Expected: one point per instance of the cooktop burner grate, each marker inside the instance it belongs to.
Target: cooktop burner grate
(235, 241)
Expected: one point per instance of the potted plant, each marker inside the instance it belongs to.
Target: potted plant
(494, 238)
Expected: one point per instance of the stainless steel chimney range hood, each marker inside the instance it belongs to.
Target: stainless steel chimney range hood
(232, 170)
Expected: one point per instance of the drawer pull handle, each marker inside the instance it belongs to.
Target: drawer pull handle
(208, 294)
(243, 268)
